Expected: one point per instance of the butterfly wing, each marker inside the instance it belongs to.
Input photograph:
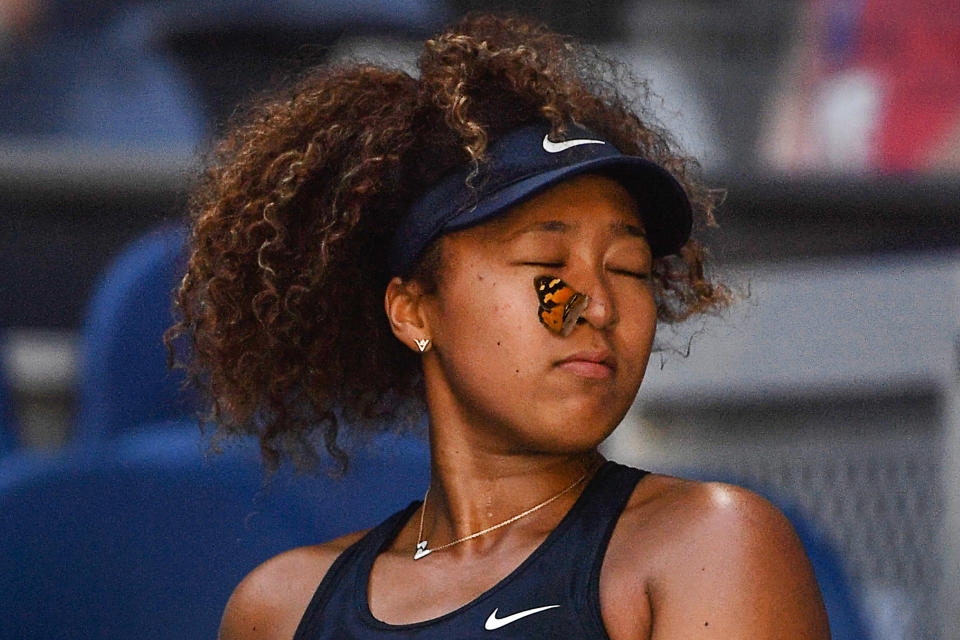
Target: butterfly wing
(571, 312)
(560, 304)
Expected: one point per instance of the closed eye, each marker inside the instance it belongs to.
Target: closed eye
(633, 274)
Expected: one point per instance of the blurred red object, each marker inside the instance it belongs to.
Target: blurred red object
(872, 85)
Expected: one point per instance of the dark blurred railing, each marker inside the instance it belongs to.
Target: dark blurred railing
(65, 213)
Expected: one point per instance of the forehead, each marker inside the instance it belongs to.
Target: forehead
(584, 199)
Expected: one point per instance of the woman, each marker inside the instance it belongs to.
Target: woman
(497, 241)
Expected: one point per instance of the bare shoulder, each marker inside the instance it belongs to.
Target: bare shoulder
(718, 558)
(270, 601)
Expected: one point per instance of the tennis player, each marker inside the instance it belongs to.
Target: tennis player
(495, 242)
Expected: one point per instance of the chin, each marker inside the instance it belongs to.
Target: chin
(570, 439)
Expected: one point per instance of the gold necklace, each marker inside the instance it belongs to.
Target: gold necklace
(422, 550)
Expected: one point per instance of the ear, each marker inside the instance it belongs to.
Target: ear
(404, 303)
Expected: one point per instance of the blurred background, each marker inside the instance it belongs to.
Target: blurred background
(833, 388)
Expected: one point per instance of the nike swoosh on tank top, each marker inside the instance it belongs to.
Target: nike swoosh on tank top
(564, 571)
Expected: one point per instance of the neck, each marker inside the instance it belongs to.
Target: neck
(472, 489)
(483, 473)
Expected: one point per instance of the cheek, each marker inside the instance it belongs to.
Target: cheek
(638, 324)
(506, 334)
(487, 325)
(647, 316)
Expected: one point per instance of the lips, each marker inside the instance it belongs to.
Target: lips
(596, 357)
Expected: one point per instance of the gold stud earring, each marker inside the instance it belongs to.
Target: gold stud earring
(423, 344)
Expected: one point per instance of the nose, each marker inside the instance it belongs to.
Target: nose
(601, 312)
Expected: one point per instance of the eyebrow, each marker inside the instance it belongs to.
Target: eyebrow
(619, 228)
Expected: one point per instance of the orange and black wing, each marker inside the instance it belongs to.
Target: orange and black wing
(560, 304)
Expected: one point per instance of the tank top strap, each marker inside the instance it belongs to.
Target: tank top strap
(576, 555)
(345, 564)
(594, 529)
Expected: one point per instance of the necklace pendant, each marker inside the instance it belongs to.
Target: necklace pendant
(421, 550)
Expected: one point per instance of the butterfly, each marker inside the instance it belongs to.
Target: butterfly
(560, 304)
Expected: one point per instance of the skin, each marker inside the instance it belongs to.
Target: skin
(510, 428)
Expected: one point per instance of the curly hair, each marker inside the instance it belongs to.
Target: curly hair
(290, 220)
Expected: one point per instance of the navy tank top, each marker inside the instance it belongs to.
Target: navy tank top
(553, 593)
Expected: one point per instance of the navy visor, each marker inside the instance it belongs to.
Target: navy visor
(525, 162)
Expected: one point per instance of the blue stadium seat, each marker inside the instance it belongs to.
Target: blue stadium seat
(123, 375)
(7, 441)
(847, 620)
(149, 540)
(90, 74)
